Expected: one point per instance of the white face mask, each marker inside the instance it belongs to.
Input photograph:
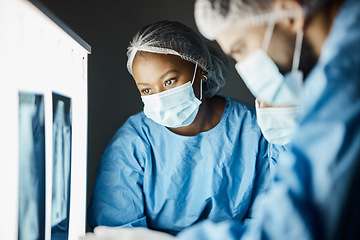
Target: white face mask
(176, 107)
(263, 78)
(277, 124)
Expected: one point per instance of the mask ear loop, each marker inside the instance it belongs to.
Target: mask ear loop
(201, 86)
(193, 79)
(192, 82)
(297, 51)
(268, 35)
(201, 83)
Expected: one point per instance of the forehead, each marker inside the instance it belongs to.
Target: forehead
(252, 37)
(148, 64)
(143, 58)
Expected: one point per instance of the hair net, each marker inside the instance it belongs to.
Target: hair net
(216, 16)
(174, 38)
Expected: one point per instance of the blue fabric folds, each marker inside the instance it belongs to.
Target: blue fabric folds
(151, 177)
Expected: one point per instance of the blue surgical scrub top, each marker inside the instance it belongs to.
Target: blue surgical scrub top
(149, 176)
(316, 193)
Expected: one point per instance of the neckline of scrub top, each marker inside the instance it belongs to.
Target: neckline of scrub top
(221, 123)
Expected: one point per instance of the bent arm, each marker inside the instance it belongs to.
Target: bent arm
(118, 198)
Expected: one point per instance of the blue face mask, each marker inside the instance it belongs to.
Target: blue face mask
(263, 78)
(176, 107)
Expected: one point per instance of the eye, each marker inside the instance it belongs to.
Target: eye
(169, 82)
(146, 91)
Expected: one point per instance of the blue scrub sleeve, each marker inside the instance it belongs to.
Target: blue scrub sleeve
(266, 163)
(118, 198)
(262, 175)
(275, 152)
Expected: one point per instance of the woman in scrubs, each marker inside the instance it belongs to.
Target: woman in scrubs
(190, 154)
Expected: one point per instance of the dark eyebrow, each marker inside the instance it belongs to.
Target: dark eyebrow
(164, 75)
(168, 72)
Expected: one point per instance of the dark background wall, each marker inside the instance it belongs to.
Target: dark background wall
(108, 26)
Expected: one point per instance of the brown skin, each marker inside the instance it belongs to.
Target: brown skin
(241, 43)
(155, 73)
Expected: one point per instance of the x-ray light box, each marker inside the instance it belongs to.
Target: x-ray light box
(43, 124)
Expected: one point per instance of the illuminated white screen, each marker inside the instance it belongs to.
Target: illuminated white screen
(39, 60)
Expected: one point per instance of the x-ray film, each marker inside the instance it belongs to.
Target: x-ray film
(62, 138)
(31, 167)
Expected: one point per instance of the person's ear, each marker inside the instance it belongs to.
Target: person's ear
(203, 72)
(293, 23)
